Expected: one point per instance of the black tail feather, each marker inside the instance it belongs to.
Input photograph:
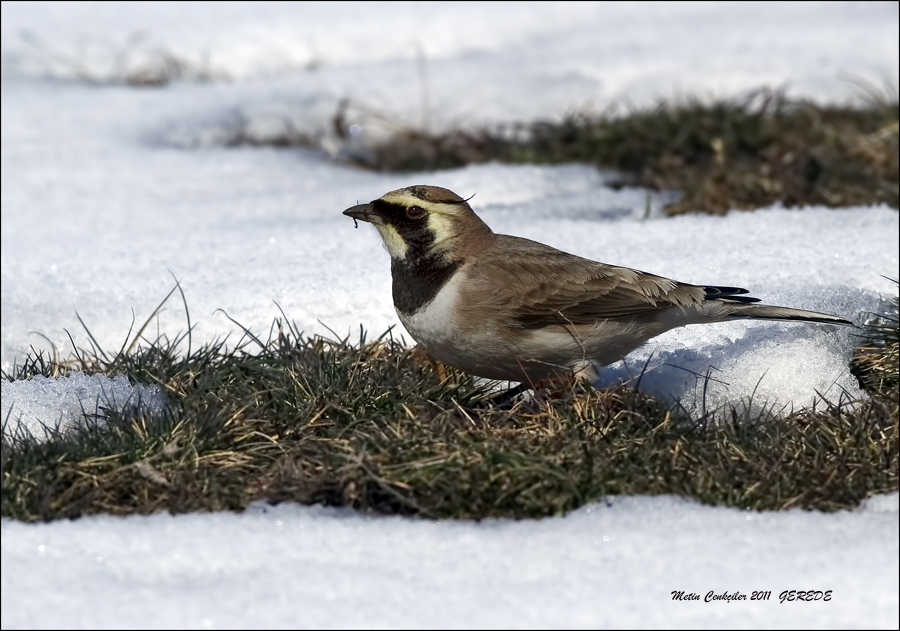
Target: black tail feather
(728, 293)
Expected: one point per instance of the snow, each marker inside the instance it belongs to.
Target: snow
(611, 564)
(71, 398)
(106, 188)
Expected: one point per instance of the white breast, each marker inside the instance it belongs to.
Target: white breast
(471, 346)
(436, 325)
(477, 346)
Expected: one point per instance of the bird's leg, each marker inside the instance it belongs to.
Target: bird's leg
(419, 354)
(543, 390)
(505, 398)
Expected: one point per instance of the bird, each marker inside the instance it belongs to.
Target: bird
(507, 308)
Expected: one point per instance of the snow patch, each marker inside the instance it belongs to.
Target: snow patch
(41, 404)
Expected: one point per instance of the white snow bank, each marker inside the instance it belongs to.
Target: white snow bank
(609, 564)
(59, 404)
(885, 503)
(484, 59)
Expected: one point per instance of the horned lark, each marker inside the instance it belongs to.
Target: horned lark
(508, 308)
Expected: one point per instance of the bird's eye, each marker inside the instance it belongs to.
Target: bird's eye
(415, 212)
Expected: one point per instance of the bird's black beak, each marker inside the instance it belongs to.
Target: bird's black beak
(363, 212)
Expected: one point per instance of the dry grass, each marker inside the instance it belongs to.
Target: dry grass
(379, 427)
(740, 153)
(875, 360)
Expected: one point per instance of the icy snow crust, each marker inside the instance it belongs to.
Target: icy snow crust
(612, 564)
(106, 187)
(72, 398)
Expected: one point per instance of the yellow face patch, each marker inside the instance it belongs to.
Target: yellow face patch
(394, 243)
(442, 222)
(442, 225)
(401, 197)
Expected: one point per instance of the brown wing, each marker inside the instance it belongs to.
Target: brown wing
(543, 286)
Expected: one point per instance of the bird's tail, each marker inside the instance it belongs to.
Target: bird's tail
(762, 312)
(736, 305)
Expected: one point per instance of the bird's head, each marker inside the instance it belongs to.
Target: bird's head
(424, 221)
